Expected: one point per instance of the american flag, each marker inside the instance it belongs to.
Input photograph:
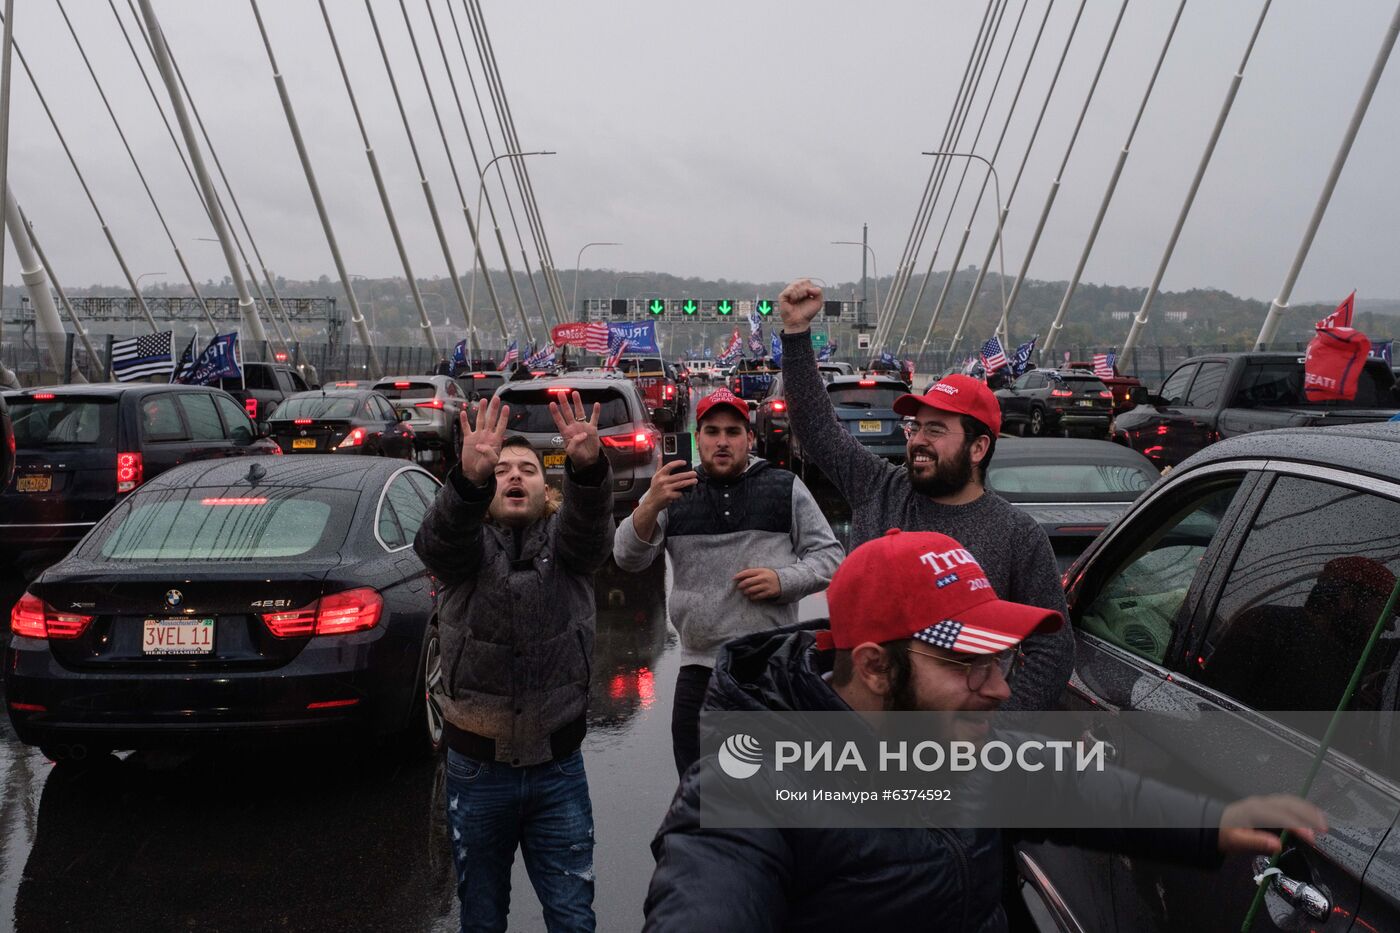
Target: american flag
(993, 356)
(956, 636)
(595, 338)
(137, 357)
(512, 354)
(615, 353)
(1103, 364)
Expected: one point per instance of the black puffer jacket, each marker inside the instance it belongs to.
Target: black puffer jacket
(838, 879)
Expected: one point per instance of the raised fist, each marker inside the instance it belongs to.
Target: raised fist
(799, 304)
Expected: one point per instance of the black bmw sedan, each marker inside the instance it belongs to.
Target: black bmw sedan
(341, 421)
(228, 599)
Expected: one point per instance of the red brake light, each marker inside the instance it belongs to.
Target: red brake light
(333, 614)
(670, 391)
(867, 383)
(478, 375)
(344, 384)
(1162, 430)
(130, 471)
(301, 421)
(560, 390)
(280, 356)
(33, 617)
(251, 407)
(234, 500)
(641, 442)
(354, 439)
(1105, 394)
(43, 396)
(430, 403)
(402, 385)
(1062, 393)
(779, 405)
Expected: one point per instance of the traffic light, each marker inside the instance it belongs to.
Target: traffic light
(690, 306)
(657, 306)
(725, 307)
(831, 308)
(619, 307)
(765, 307)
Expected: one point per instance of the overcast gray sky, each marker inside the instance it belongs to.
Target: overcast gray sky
(736, 138)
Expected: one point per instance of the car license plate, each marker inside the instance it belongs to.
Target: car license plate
(40, 482)
(552, 461)
(1085, 403)
(178, 636)
(870, 427)
(303, 443)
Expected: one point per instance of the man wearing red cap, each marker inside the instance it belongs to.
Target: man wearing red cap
(952, 433)
(746, 542)
(915, 626)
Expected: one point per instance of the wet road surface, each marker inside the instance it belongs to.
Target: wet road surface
(329, 838)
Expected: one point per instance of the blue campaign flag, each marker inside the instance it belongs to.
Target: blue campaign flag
(888, 359)
(459, 353)
(218, 361)
(1021, 359)
(709, 353)
(1383, 349)
(640, 336)
(777, 349)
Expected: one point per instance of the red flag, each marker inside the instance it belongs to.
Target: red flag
(1342, 316)
(1332, 368)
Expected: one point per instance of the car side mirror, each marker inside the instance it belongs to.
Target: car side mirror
(1138, 395)
(264, 429)
(405, 415)
(753, 406)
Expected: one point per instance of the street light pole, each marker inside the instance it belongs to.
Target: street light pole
(476, 236)
(623, 278)
(573, 302)
(873, 264)
(1001, 255)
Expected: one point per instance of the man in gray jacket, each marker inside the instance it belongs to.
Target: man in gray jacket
(516, 615)
(746, 542)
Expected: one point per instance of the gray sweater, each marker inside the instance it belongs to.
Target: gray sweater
(765, 518)
(1013, 550)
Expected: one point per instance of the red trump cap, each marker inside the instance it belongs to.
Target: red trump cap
(959, 394)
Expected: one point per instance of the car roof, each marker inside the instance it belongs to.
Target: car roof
(1066, 450)
(326, 471)
(880, 379)
(570, 380)
(110, 389)
(1372, 449)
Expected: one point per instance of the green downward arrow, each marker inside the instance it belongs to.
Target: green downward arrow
(689, 307)
(656, 306)
(765, 308)
(725, 307)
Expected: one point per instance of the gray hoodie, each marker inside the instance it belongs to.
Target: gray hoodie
(764, 518)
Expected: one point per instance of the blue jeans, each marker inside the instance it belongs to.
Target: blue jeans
(545, 810)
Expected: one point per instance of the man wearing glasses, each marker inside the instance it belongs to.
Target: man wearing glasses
(914, 627)
(952, 433)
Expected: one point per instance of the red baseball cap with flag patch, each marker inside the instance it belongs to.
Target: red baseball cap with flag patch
(959, 394)
(924, 585)
(721, 397)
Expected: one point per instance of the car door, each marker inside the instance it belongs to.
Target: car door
(1150, 426)
(165, 438)
(1015, 402)
(397, 438)
(207, 437)
(1195, 428)
(238, 427)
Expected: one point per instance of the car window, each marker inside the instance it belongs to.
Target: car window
(1138, 603)
(202, 416)
(529, 409)
(1029, 381)
(160, 419)
(1174, 389)
(284, 381)
(1118, 482)
(63, 420)
(409, 506)
(1299, 604)
(856, 396)
(258, 377)
(386, 410)
(335, 407)
(1205, 390)
(390, 531)
(406, 390)
(236, 421)
(298, 383)
(425, 484)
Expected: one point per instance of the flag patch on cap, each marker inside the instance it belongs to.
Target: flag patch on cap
(955, 636)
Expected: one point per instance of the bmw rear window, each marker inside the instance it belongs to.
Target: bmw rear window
(529, 409)
(406, 390)
(63, 421)
(1061, 482)
(330, 407)
(216, 523)
(854, 396)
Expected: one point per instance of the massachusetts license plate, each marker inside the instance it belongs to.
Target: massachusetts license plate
(40, 482)
(553, 460)
(870, 427)
(303, 443)
(177, 636)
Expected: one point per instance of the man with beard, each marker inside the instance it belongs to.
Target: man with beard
(908, 634)
(952, 433)
(516, 616)
(746, 541)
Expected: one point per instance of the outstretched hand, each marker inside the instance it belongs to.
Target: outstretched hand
(798, 305)
(580, 433)
(481, 442)
(1246, 825)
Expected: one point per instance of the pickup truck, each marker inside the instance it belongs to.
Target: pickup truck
(263, 387)
(1221, 395)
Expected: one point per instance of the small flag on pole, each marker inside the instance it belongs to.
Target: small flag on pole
(138, 357)
(512, 354)
(618, 348)
(595, 338)
(993, 356)
(1021, 359)
(1342, 316)
(1103, 364)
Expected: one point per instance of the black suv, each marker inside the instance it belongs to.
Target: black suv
(263, 387)
(80, 448)
(1241, 591)
(1068, 401)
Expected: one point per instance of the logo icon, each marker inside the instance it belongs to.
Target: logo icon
(557, 441)
(740, 756)
(173, 598)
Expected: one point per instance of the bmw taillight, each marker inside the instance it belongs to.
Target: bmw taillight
(355, 438)
(130, 471)
(340, 613)
(34, 618)
(250, 405)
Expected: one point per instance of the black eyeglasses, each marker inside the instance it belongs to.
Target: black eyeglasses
(980, 670)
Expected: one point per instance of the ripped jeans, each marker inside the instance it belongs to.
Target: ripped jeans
(545, 810)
